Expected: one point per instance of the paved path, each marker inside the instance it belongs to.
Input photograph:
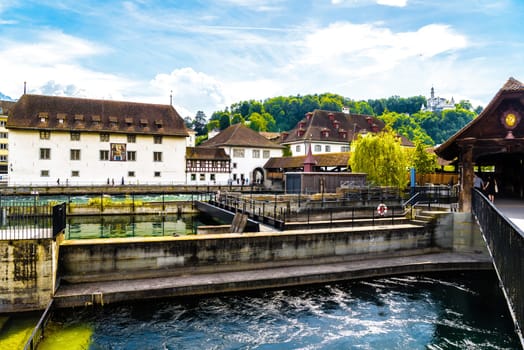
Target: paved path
(513, 209)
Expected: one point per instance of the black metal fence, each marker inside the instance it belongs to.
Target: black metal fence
(31, 220)
(506, 245)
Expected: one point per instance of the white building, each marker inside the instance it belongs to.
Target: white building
(330, 132)
(248, 152)
(437, 104)
(72, 141)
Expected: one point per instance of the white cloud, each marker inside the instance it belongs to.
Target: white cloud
(52, 63)
(192, 91)
(396, 3)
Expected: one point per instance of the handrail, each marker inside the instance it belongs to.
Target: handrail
(411, 200)
(38, 331)
(505, 242)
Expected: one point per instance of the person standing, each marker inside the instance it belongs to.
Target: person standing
(491, 188)
(477, 182)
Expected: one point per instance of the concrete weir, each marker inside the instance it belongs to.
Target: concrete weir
(105, 271)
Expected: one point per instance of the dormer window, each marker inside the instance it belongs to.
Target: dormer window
(343, 133)
(43, 117)
(79, 117)
(113, 121)
(300, 132)
(158, 123)
(309, 115)
(325, 132)
(96, 120)
(301, 124)
(143, 122)
(129, 121)
(61, 117)
(331, 116)
(336, 124)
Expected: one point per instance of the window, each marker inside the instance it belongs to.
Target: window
(75, 154)
(131, 156)
(157, 173)
(256, 153)
(266, 154)
(212, 177)
(44, 173)
(75, 136)
(193, 177)
(45, 153)
(328, 148)
(75, 173)
(238, 152)
(2, 123)
(3, 145)
(157, 156)
(130, 174)
(131, 138)
(157, 139)
(104, 137)
(318, 148)
(45, 135)
(234, 165)
(3, 135)
(297, 148)
(104, 155)
(202, 177)
(344, 149)
(3, 158)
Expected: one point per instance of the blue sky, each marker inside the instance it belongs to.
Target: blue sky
(213, 53)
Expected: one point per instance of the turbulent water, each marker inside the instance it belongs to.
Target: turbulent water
(461, 311)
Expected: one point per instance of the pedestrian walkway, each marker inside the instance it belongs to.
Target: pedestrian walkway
(513, 209)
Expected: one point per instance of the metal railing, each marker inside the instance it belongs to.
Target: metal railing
(38, 331)
(31, 220)
(505, 242)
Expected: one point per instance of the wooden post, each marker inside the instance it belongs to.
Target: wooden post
(466, 175)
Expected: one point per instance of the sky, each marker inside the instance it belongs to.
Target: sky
(208, 54)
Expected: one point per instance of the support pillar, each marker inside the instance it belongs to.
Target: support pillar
(466, 175)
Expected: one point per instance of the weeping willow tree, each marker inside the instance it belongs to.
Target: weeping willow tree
(381, 157)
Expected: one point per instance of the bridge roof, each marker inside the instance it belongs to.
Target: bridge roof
(489, 132)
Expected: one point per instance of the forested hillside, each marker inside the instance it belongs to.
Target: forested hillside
(281, 113)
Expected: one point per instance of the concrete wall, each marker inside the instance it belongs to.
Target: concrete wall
(107, 259)
(27, 274)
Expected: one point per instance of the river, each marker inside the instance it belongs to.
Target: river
(436, 311)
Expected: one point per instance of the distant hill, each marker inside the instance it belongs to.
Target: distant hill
(6, 98)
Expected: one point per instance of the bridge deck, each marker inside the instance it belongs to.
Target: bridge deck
(114, 291)
(513, 209)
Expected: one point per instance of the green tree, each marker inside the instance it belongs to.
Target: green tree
(224, 121)
(257, 122)
(406, 126)
(237, 118)
(423, 161)
(381, 157)
(199, 125)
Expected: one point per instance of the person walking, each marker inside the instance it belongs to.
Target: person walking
(491, 188)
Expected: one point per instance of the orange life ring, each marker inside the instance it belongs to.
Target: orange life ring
(382, 209)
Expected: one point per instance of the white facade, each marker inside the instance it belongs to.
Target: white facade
(299, 148)
(245, 160)
(88, 158)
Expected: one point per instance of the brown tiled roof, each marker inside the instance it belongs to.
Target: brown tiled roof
(239, 135)
(202, 153)
(322, 126)
(322, 160)
(5, 106)
(78, 114)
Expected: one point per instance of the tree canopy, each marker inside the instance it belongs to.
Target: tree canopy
(381, 157)
(402, 114)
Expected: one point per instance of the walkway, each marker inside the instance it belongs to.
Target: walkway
(513, 209)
